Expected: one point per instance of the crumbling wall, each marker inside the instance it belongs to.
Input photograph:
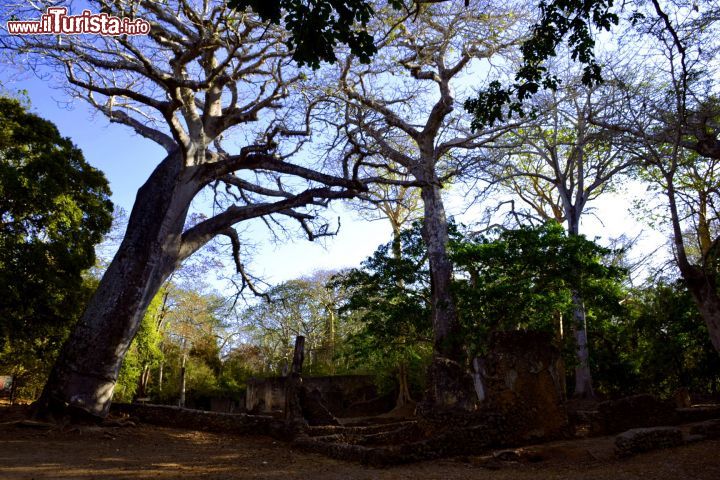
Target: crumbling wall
(522, 379)
(265, 395)
(170, 416)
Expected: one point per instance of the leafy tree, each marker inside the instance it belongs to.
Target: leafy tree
(558, 163)
(191, 326)
(525, 278)
(522, 278)
(389, 296)
(670, 342)
(317, 27)
(570, 21)
(660, 344)
(54, 208)
(668, 117)
(242, 362)
(399, 116)
(145, 353)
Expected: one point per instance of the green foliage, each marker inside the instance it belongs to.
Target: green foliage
(659, 345)
(303, 306)
(524, 278)
(570, 21)
(244, 362)
(506, 280)
(670, 342)
(54, 208)
(390, 298)
(317, 26)
(144, 352)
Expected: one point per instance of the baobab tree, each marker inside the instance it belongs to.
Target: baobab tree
(204, 73)
(400, 115)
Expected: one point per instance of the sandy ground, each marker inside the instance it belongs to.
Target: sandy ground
(144, 451)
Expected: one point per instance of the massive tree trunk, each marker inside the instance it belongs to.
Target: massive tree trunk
(449, 385)
(444, 313)
(86, 371)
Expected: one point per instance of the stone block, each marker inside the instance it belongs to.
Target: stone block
(708, 429)
(640, 440)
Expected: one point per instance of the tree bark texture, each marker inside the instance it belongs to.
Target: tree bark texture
(703, 289)
(293, 384)
(446, 328)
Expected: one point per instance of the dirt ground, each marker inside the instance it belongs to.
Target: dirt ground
(145, 451)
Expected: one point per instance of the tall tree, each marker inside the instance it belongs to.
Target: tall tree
(557, 164)
(202, 73)
(389, 298)
(669, 115)
(399, 115)
(401, 205)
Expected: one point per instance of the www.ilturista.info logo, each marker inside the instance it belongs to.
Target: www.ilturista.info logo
(57, 21)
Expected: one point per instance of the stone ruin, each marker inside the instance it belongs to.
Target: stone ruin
(522, 398)
(523, 378)
(343, 395)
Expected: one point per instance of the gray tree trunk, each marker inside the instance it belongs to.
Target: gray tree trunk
(183, 372)
(444, 313)
(583, 376)
(449, 385)
(704, 291)
(701, 284)
(87, 368)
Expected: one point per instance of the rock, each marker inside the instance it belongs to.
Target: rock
(708, 429)
(170, 416)
(507, 455)
(695, 438)
(640, 440)
(634, 412)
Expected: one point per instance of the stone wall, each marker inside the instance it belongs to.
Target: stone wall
(338, 393)
(522, 379)
(169, 416)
